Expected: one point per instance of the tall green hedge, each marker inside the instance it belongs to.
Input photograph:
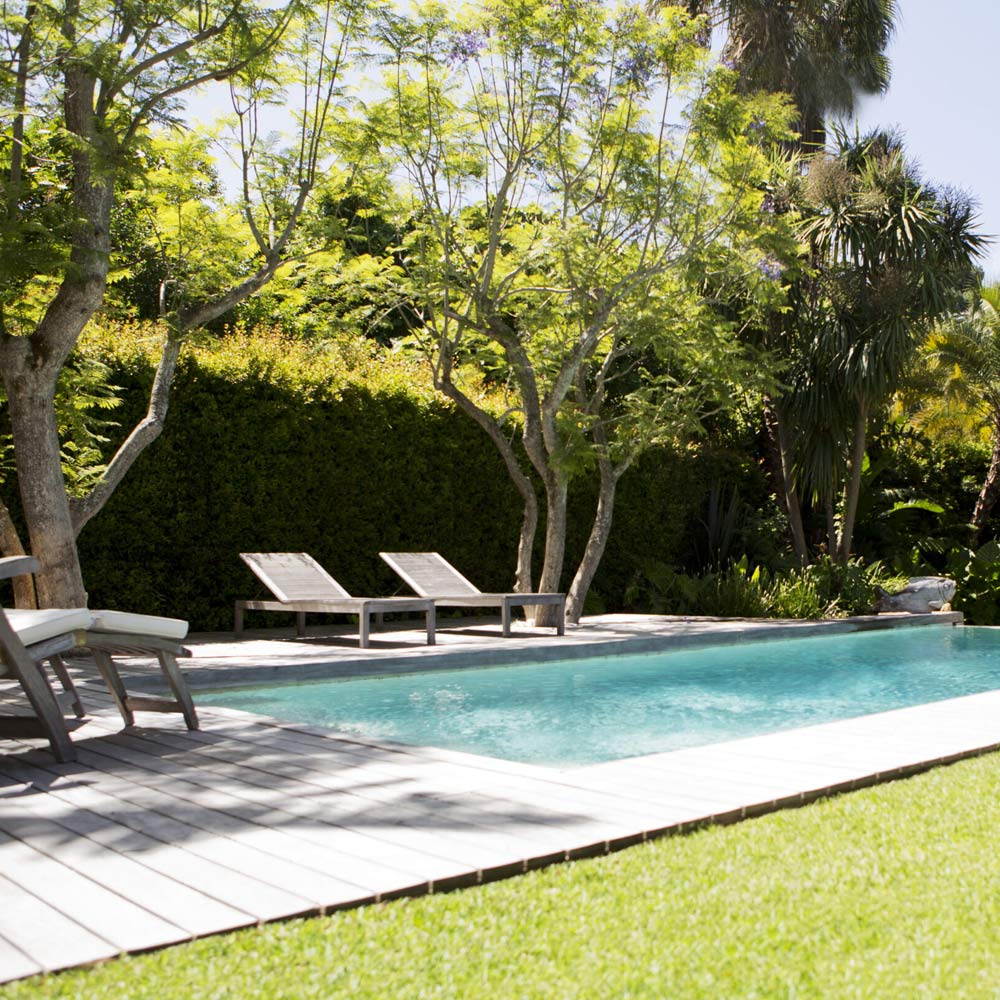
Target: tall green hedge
(270, 447)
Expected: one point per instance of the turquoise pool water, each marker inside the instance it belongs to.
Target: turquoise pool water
(573, 712)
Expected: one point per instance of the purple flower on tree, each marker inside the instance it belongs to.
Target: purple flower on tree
(637, 69)
(769, 269)
(465, 45)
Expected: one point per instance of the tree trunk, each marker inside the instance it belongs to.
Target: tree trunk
(555, 545)
(831, 526)
(10, 545)
(793, 507)
(990, 492)
(43, 490)
(596, 543)
(526, 538)
(853, 488)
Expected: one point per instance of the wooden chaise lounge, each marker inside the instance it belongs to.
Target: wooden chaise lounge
(301, 585)
(430, 575)
(28, 638)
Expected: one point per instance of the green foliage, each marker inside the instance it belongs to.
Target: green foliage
(798, 595)
(341, 449)
(892, 891)
(918, 498)
(825, 589)
(141, 58)
(977, 583)
(556, 221)
(85, 400)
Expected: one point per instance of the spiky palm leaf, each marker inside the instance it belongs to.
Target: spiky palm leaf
(824, 53)
(963, 356)
(891, 255)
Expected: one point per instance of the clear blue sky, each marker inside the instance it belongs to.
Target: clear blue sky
(944, 97)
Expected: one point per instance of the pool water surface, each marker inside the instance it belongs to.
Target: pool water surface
(584, 711)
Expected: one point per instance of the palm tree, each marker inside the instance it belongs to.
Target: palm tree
(963, 356)
(891, 255)
(823, 53)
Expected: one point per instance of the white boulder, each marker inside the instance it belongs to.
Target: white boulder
(920, 595)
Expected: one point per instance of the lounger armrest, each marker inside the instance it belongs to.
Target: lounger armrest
(11, 566)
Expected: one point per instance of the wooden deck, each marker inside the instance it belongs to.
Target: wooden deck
(158, 835)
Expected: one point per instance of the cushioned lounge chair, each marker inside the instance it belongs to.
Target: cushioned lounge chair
(430, 575)
(28, 638)
(301, 585)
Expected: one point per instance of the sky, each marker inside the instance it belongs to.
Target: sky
(944, 97)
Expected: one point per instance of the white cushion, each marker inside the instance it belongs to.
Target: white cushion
(37, 626)
(129, 624)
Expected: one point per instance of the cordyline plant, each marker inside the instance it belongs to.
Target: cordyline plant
(886, 255)
(83, 83)
(569, 167)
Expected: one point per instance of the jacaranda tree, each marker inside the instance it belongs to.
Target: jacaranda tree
(83, 84)
(570, 167)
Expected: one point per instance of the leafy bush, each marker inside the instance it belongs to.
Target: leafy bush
(797, 595)
(918, 499)
(977, 583)
(339, 449)
(738, 593)
(823, 590)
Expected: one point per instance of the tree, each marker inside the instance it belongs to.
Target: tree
(562, 193)
(822, 53)
(886, 255)
(963, 359)
(85, 83)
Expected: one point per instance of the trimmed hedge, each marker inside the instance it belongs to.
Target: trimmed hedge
(272, 446)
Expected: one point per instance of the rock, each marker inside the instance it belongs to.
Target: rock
(920, 595)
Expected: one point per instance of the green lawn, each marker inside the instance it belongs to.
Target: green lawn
(892, 892)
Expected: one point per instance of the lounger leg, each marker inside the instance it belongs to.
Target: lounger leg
(300, 623)
(431, 625)
(43, 700)
(168, 664)
(114, 682)
(238, 620)
(68, 686)
(505, 618)
(364, 627)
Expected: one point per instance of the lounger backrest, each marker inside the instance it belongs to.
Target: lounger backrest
(429, 574)
(294, 576)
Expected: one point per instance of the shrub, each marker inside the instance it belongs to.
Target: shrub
(824, 589)
(341, 450)
(977, 583)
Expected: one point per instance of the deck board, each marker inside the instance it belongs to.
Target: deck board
(42, 934)
(124, 925)
(157, 834)
(121, 872)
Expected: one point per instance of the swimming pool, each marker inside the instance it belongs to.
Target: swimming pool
(584, 711)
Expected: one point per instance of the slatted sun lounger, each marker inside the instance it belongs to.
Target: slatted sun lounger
(301, 585)
(430, 575)
(30, 637)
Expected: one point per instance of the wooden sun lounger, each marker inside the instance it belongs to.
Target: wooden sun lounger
(301, 585)
(430, 575)
(27, 638)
